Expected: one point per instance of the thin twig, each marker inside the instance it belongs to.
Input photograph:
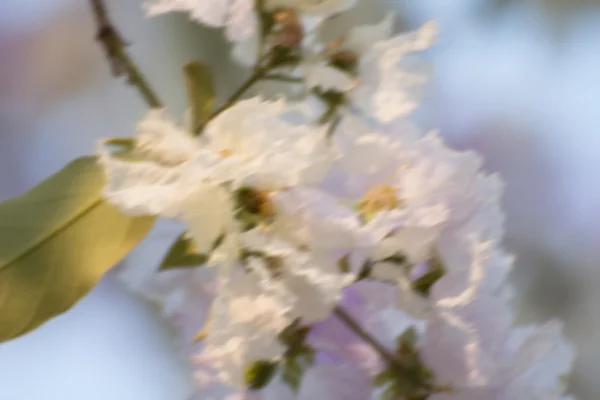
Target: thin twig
(256, 76)
(283, 78)
(364, 335)
(333, 125)
(355, 327)
(121, 63)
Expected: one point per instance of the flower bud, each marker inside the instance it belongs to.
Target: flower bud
(290, 32)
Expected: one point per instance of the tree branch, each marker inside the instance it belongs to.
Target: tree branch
(121, 63)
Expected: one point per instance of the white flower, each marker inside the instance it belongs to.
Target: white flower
(268, 145)
(470, 341)
(427, 191)
(374, 305)
(315, 69)
(391, 78)
(254, 143)
(238, 16)
(244, 325)
(329, 229)
(319, 74)
(312, 287)
(444, 208)
(480, 358)
(167, 169)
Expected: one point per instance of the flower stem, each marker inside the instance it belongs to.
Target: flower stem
(121, 63)
(391, 360)
(256, 76)
(283, 78)
(364, 335)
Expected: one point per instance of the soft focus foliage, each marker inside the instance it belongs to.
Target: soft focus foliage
(48, 235)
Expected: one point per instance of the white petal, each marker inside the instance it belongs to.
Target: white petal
(243, 328)
(328, 78)
(416, 238)
(362, 37)
(314, 219)
(334, 382)
(242, 21)
(212, 13)
(142, 188)
(368, 157)
(317, 288)
(311, 286)
(278, 390)
(161, 140)
(267, 148)
(392, 81)
(542, 359)
(245, 51)
(208, 212)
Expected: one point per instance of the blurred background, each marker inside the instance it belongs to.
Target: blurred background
(517, 80)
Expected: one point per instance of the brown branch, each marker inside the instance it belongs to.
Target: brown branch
(120, 62)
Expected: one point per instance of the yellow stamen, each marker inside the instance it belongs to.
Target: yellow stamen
(382, 196)
(225, 153)
(378, 198)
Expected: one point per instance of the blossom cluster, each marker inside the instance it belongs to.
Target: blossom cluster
(345, 253)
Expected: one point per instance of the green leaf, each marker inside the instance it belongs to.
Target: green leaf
(56, 242)
(334, 101)
(293, 372)
(294, 337)
(201, 93)
(344, 264)
(384, 377)
(124, 149)
(391, 392)
(123, 143)
(182, 254)
(398, 259)
(409, 337)
(424, 284)
(258, 374)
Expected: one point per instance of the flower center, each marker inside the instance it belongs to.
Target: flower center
(225, 153)
(254, 207)
(379, 197)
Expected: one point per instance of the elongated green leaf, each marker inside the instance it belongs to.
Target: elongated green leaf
(123, 143)
(201, 93)
(182, 254)
(56, 242)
